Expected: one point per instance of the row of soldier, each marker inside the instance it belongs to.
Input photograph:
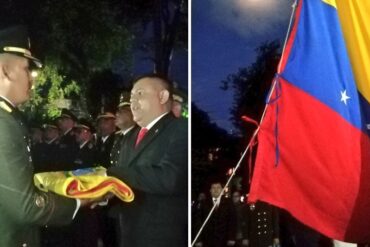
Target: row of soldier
(233, 222)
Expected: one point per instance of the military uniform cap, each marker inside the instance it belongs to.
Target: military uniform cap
(15, 40)
(50, 124)
(85, 124)
(177, 98)
(124, 100)
(67, 114)
(106, 115)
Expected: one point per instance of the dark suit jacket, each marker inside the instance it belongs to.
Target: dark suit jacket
(157, 171)
(220, 227)
(22, 206)
(263, 225)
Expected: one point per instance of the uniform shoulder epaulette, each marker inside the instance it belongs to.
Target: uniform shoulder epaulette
(5, 107)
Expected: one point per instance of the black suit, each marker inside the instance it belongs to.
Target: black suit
(157, 172)
(220, 227)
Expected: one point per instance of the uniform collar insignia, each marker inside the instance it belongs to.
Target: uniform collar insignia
(5, 106)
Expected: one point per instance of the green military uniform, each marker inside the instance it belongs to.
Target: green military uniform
(22, 207)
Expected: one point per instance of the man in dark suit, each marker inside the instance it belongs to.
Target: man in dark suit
(155, 165)
(23, 208)
(220, 230)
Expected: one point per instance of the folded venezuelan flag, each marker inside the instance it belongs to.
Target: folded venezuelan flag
(83, 183)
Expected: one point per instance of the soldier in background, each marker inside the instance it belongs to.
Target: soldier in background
(86, 154)
(44, 153)
(263, 225)
(177, 105)
(36, 134)
(125, 122)
(85, 229)
(105, 138)
(104, 145)
(68, 146)
(242, 223)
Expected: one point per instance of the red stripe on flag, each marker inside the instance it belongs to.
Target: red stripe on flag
(323, 174)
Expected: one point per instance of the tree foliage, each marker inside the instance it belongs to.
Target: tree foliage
(49, 87)
(80, 41)
(251, 84)
(76, 40)
(166, 20)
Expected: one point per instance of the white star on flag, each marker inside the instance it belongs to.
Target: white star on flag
(344, 96)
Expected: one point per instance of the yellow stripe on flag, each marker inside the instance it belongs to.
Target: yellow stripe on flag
(331, 2)
(355, 18)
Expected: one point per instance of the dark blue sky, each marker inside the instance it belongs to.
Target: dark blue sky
(225, 34)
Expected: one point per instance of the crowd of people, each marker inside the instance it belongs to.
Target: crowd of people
(234, 222)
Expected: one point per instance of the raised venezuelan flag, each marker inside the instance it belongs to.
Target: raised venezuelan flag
(314, 148)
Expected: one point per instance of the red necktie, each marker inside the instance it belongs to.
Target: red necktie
(140, 136)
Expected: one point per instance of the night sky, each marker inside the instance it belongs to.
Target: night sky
(225, 34)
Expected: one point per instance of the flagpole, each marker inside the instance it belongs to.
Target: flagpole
(255, 132)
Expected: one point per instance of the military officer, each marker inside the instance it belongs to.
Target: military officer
(104, 145)
(105, 140)
(177, 105)
(125, 122)
(86, 155)
(68, 146)
(85, 228)
(23, 208)
(263, 225)
(44, 153)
